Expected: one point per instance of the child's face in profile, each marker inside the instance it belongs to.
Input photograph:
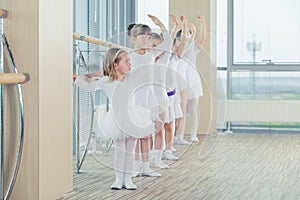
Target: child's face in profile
(144, 41)
(123, 66)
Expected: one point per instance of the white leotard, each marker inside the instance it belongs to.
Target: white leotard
(192, 74)
(126, 118)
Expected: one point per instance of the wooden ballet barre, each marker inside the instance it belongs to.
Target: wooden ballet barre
(93, 40)
(3, 13)
(12, 78)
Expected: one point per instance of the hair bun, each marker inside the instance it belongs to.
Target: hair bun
(129, 28)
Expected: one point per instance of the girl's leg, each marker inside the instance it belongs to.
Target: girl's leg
(193, 113)
(145, 147)
(159, 141)
(151, 139)
(169, 135)
(119, 164)
(152, 148)
(179, 122)
(136, 166)
(169, 141)
(130, 145)
(178, 127)
(137, 150)
(180, 134)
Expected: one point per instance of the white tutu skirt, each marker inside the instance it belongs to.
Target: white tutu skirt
(134, 121)
(108, 128)
(182, 83)
(154, 101)
(194, 83)
(174, 110)
(177, 108)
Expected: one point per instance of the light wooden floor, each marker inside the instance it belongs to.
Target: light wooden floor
(233, 166)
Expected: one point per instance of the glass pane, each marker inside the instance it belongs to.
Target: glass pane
(265, 85)
(106, 20)
(220, 98)
(266, 30)
(221, 33)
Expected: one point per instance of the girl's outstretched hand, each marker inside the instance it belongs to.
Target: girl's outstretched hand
(203, 31)
(182, 18)
(154, 19)
(200, 17)
(174, 19)
(95, 74)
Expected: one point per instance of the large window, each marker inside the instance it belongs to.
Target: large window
(105, 20)
(263, 49)
(266, 31)
(258, 53)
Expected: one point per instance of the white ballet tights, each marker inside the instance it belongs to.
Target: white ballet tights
(192, 109)
(124, 159)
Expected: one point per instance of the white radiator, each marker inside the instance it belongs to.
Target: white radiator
(262, 111)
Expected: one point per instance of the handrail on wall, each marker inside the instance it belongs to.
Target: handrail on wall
(3, 13)
(93, 40)
(12, 78)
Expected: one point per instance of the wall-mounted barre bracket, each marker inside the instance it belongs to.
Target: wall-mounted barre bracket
(13, 78)
(3, 13)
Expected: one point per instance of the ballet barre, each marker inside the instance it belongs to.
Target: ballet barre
(93, 40)
(13, 78)
(3, 13)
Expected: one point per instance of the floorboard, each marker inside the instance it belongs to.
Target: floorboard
(232, 166)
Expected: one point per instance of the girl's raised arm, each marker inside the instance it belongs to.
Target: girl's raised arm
(193, 31)
(157, 22)
(175, 26)
(94, 74)
(203, 32)
(166, 45)
(182, 45)
(88, 82)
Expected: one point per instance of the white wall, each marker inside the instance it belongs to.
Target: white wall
(159, 8)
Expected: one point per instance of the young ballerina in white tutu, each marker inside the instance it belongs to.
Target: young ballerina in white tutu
(193, 77)
(190, 96)
(150, 96)
(174, 110)
(126, 121)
